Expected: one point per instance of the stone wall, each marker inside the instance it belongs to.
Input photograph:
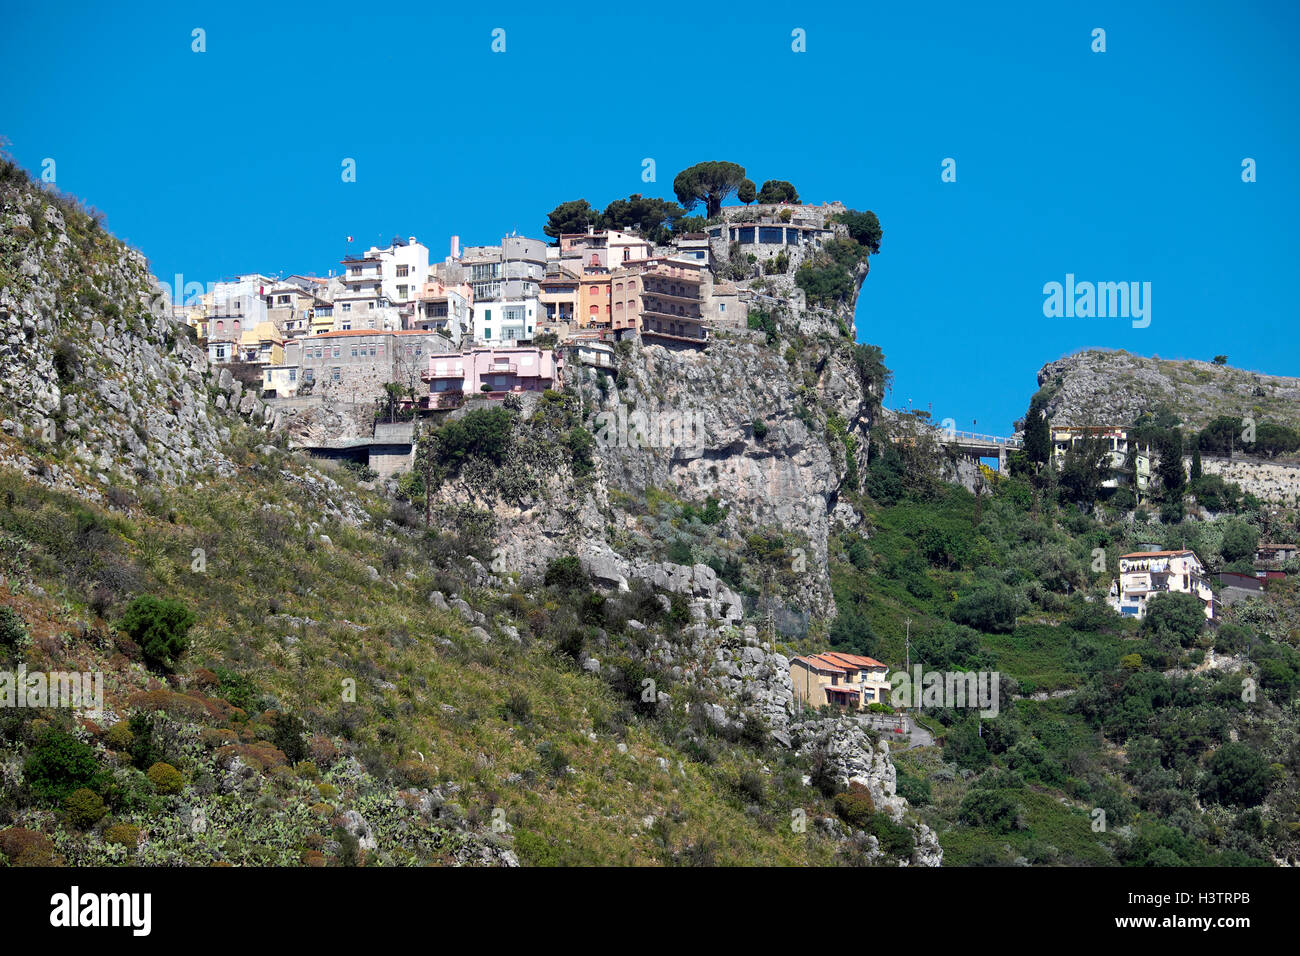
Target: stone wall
(1278, 482)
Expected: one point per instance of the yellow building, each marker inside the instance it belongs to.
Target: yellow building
(845, 680)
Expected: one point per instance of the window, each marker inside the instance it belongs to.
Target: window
(402, 272)
(347, 306)
(354, 351)
(309, 375)
(221, 326)
(293, 375)
(336, 373)
(337, 349)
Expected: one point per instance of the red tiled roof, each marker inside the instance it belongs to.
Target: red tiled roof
(821, 664)
(1156, 554)
(852, 660)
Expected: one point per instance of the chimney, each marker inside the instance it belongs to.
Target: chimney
(455, 247)
(410, 240)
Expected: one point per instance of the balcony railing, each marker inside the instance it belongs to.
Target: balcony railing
(429, 375)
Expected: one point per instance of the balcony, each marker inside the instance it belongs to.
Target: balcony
(430, 375)
(503, 368)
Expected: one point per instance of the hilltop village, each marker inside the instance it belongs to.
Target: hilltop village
(488, 321)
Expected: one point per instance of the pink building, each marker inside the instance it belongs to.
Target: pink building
(490, 372)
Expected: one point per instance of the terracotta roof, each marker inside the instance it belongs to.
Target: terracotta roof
(839, 689)
(1156, 554)
(853, 660)
(821, 664)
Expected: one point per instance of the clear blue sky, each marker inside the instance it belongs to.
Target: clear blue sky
(1115, 166)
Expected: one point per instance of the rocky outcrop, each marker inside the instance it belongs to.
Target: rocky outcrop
(91, 378)
(1097, 387)
(854, 758)
(685, 422)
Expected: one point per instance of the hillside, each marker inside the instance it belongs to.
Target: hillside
(1114, 387)
(551, 643)
(351, 687)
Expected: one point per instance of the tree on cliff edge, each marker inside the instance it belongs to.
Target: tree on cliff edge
(709, 183)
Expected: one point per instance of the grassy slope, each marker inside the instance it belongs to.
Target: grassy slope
(442, 694)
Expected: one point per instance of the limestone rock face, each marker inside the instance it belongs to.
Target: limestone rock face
(91, 362)
(1096, 387)
(856, 759)
(683, 421)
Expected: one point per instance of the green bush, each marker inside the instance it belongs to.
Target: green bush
(85, 807)
(990, 810)
(1237, 775)
(60, 764)
(566, 574)
(165, 778)
(160, 626)
(13, 629)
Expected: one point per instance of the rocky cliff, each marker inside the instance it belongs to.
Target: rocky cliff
(1097, 387)
(98, 383)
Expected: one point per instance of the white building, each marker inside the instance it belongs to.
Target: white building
(1146, 574)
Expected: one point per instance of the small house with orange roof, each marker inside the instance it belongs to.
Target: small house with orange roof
(845, 680)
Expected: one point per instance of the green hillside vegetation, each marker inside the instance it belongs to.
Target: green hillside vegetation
(281, 618)
(1012, 582)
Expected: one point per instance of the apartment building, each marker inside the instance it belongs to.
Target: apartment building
(607, 249)
(1147, 574)
(559, 302)
(291, 308)
(506, 283)
(671, 306)
(446, 308)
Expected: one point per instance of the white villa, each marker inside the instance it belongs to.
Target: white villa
(1145, 574)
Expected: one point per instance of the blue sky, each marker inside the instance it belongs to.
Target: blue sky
(1115, 166)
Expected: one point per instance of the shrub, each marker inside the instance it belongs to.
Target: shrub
(1174, 617)
(915, 790)
(25, 848)
(165, 778)
(989, 809)
(123, 834)
(567, 574)
(85, 807)
(13, 629)
(992, 608)
(60, 764)
(1237, 775)
(288, 733)
(895, 839)
(160, 626)
(855, 805)
(119, 736)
